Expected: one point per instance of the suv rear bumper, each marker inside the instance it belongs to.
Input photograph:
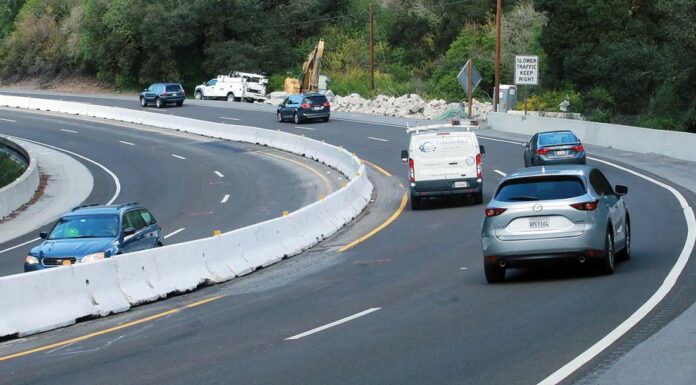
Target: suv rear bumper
(446, 187)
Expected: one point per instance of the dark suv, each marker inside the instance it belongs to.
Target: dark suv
(91, 233)
(303, 107)
(162, 94)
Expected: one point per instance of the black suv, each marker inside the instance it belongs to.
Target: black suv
(162, 94)
(304, 106)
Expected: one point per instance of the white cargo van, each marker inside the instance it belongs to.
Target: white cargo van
(444, 160)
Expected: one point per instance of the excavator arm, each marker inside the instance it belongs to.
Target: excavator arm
(309, 79)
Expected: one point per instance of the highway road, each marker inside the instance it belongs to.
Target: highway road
(409, 305)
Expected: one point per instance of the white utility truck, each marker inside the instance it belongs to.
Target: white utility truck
(235, 86)
(444, 160)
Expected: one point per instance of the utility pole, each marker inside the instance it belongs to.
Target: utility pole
(372, 55)
(498, 12)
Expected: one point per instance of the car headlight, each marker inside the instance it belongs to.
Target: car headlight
(31, 260)
(92, 257)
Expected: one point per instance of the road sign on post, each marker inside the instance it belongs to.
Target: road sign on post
(526, 73)
(469, 78)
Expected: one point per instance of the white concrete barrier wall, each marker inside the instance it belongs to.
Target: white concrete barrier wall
(678, 145)
(48, 299)
(19, 192)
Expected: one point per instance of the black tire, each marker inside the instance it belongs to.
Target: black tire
(158, 103)
(179, 104)
(326, 119)
(230, 97)
(143, 103)
(279, 116)
(606, 267)
(494, 273)
(416, 203)
(625, 253)
(296, 118)
(478, 197)
(198, 95)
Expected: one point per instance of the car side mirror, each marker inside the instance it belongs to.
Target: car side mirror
(404, 155)
(43, 235)
(128, 231)
(482, 150)
(621, 190)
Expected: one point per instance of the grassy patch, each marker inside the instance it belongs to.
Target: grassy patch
(9, 170)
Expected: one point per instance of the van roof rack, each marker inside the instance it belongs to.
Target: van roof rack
(468, 125)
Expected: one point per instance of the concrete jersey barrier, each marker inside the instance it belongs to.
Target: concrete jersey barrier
(115, 284)
(19, 192)
(678, 145)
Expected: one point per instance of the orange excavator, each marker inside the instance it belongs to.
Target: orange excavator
(309, 79)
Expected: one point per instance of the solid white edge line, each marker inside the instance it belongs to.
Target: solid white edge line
(178, 156)
(128, 143)
(332, 324)
(113, 176)
(500, 173)
(305, 128)
(667, 285)
(218, 173)
(8, 120)
(377, 139)
(500, 140)
(226, 118)
(225, 198)
(70, 131)
(20, 245)
(175, 232)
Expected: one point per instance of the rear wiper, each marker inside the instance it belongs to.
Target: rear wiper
(523, 198)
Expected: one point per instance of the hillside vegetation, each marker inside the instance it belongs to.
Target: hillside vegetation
(625, 61)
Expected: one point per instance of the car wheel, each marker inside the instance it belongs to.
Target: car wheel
(279, 116)
(625, 254)
(415, 203)
(296, 118)
(326, 119)
(607, 265)
(143, 103)
(494, 273)
(179, 104)
(158, 103)
(198, 95)
(478, 197)
(230, 97)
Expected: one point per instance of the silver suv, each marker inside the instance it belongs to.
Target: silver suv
(555, 213)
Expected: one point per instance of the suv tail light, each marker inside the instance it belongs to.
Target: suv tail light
(411, 171)
(585, 206)
(494, 212)
(164, 93)
(478, 166)
(326, 104)
(542, 151)
(579, 148)
(305, 105)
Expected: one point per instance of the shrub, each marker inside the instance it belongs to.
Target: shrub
(9, 170)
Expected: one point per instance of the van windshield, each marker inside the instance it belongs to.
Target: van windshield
(540, 189)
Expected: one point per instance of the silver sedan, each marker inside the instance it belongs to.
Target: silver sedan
(555, 213)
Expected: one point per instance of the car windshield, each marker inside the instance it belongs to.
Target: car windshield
(557, 138)
(319, 99)
(85, 226)
(540, 188)
(174, 88)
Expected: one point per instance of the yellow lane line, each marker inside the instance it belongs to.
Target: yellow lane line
(107, 331)
(380, 169)
(404, 200)
(327, 183)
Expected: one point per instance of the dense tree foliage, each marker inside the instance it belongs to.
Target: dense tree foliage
(629, 61)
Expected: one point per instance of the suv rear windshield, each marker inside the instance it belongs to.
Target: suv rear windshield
(174, 88)
(540, 189)
(557, 138)
(319, 99)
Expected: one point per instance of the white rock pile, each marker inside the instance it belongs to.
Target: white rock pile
(405, 106)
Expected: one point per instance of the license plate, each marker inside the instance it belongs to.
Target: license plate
(461, 184)
(562, 152)
(317, 108)
(539, 223)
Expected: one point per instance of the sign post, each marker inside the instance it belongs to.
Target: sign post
(469, 78)
(526, 73)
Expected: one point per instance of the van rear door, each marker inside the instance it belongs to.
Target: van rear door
(459, 151)
(428, 158)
